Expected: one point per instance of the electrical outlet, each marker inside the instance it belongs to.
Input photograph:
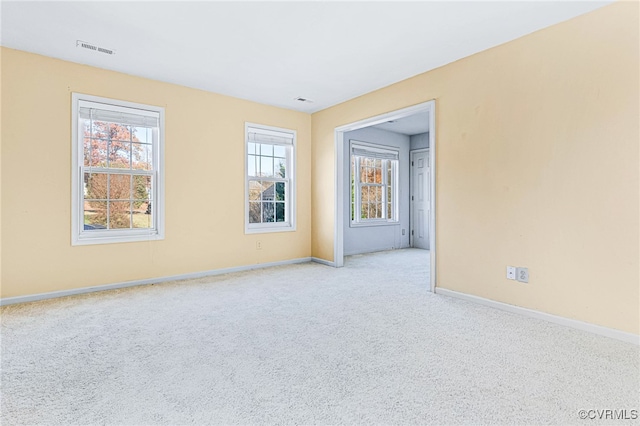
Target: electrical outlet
(522, 275)
(511, 272)
(258, 245)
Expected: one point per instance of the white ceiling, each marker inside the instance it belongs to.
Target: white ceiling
(411, 125)
(272, 52)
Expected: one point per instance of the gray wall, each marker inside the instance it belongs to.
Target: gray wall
(365, 239)
(420, 141)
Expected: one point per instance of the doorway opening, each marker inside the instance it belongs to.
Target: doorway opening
(375, 183)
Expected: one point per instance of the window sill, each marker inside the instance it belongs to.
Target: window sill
(95, 240)
(269, 229)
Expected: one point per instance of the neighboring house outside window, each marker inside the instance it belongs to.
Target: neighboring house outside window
(374, 184)
(270, 179)
(117, 191)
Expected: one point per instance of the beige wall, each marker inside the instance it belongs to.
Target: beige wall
(537, 166)
(204, 157)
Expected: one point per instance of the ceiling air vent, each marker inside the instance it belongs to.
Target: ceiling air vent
(301, 99)
(85, 45)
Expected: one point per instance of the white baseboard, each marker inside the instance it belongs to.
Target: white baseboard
(567, 322)
(324, 262)
(82, 290)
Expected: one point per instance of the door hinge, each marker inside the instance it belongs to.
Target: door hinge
(412, 232)
(412, 163)
(412, 198)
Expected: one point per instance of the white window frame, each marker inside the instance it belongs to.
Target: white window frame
(355, 219)
(290, 180)
(80, 236)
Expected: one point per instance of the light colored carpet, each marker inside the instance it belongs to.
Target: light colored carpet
(303, 344)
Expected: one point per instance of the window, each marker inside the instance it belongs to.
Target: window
(117, 176)
(270, 183)
(374, 184)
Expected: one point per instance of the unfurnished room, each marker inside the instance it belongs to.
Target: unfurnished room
(322, 213)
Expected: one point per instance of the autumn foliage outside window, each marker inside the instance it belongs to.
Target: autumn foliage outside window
(120, 199)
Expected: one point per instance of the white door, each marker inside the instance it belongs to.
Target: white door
(420, 199)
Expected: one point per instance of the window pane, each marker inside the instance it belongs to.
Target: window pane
(141, 134)
(354, 169)
(119, 132)
(119, 187)
(279, 151)
(267, 212)
(378, 174)
(119, 154)
(254, 213)
(95, 186)
(139, 159)
(98, 153)
(389, 212)
(150, 157)
(141, 190)
(371, 211)
(150, 184)
(266, 166)
(119, 214)
(280, 212)
(364, 196)
(266, 149)
(251, 165)
(280, 191)
(378, 210)
(251, 148)
(353, 202)
(100, 129)
(142, 217)
(140, 206)
(95, 215)
(255, 190)
(86, 149)
(268, 191)
(280, 167)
